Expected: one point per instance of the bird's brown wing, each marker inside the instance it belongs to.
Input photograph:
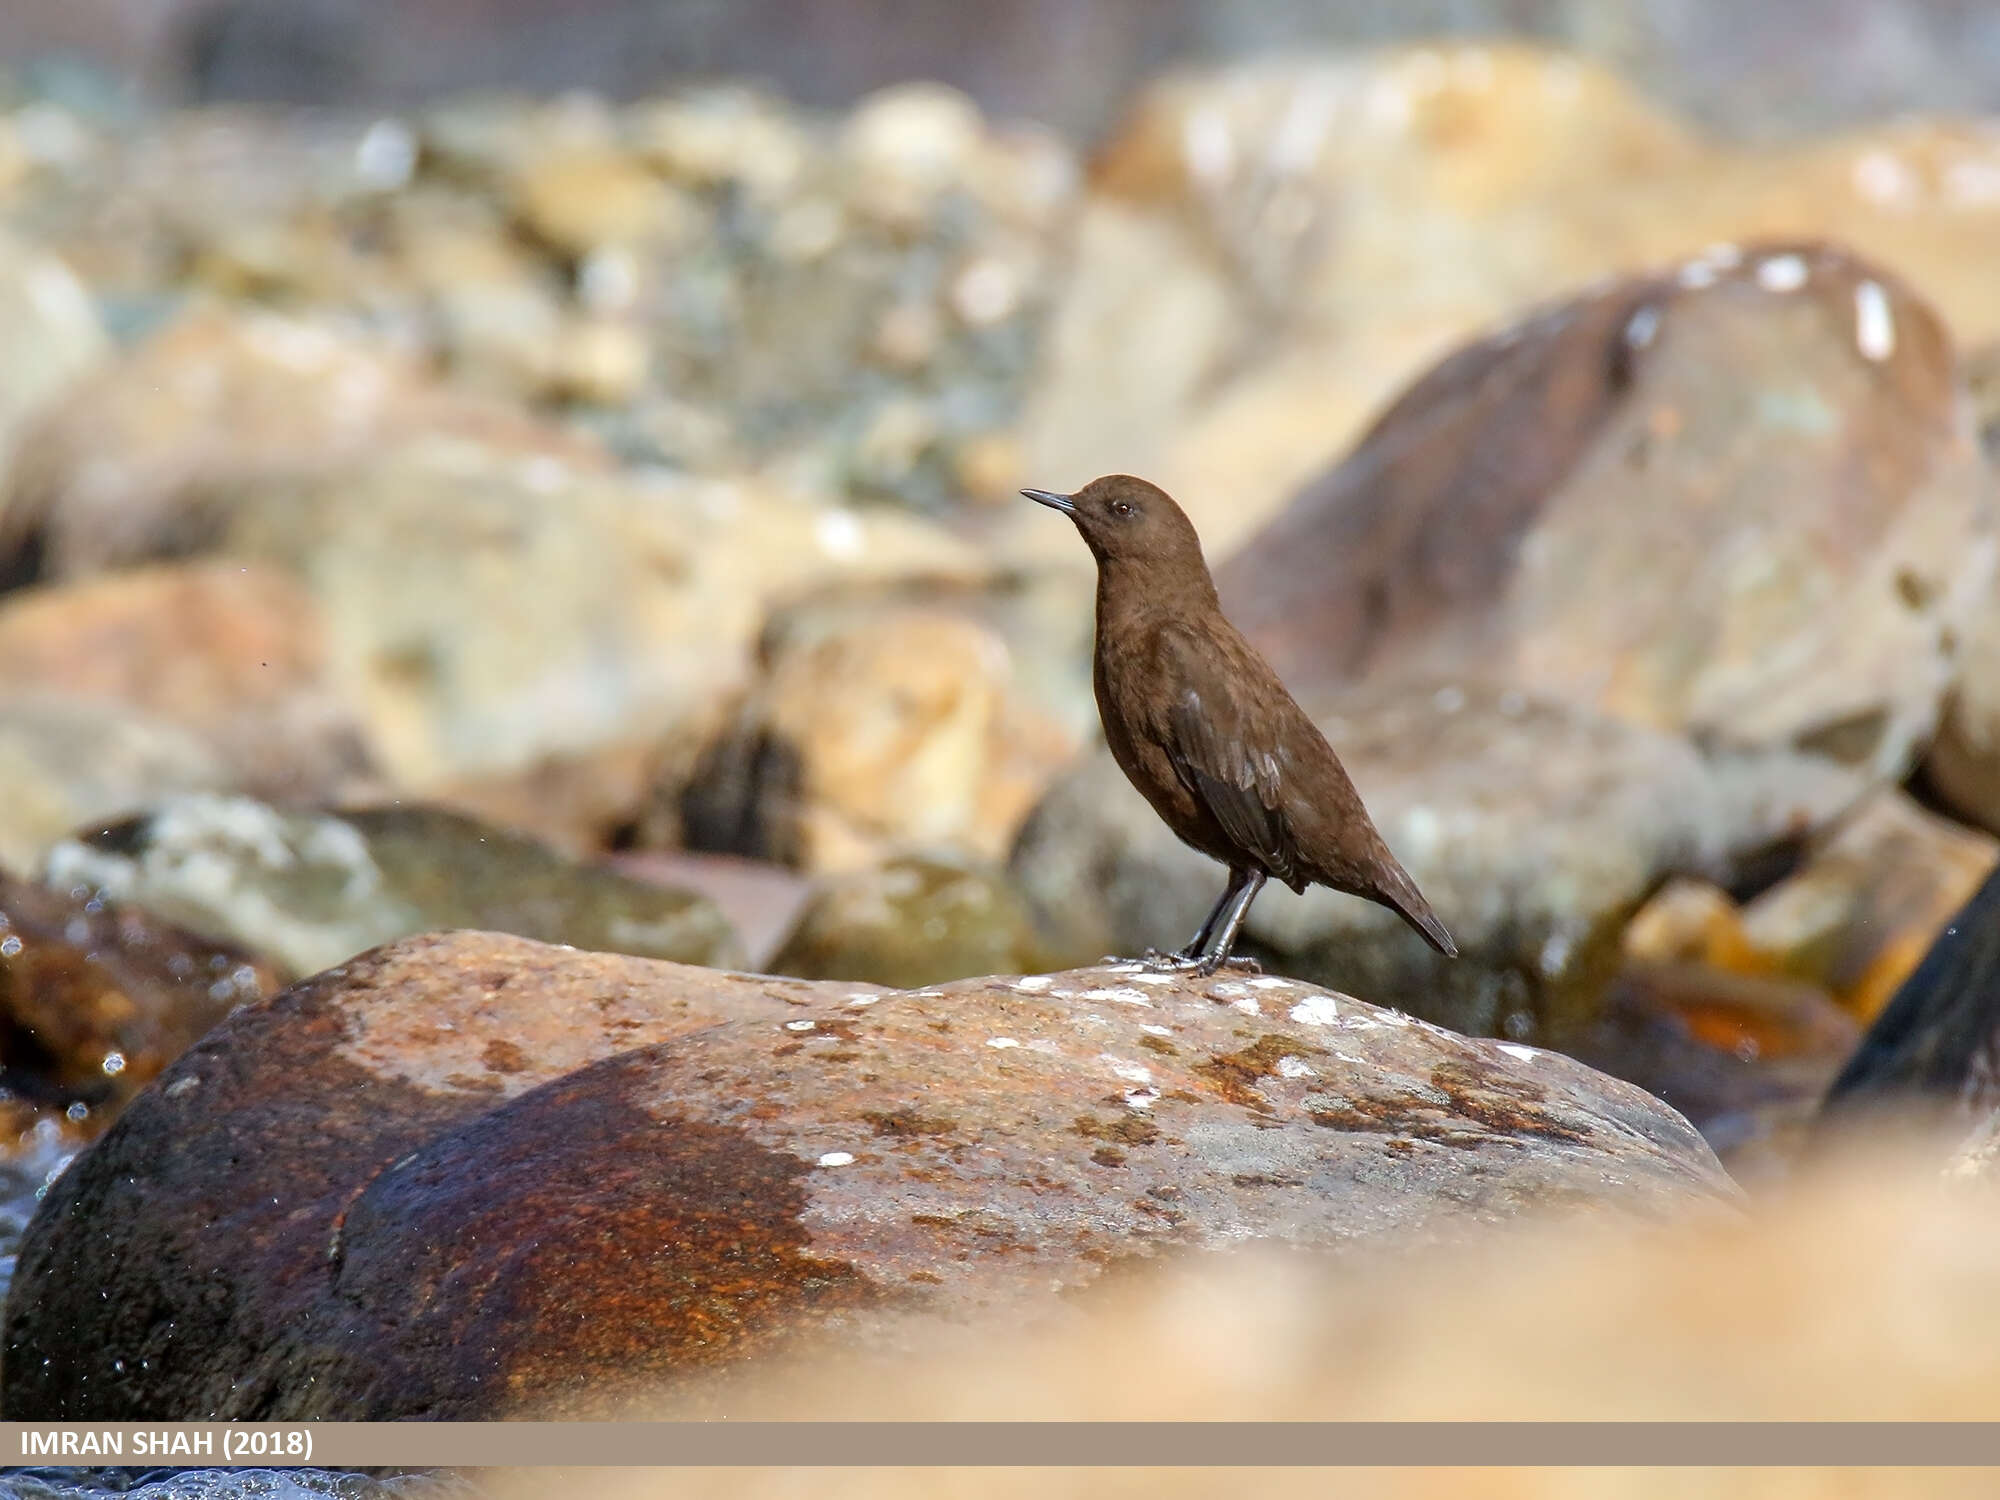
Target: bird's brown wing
(1211, 738)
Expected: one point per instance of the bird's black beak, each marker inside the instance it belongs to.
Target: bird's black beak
(1052, 500)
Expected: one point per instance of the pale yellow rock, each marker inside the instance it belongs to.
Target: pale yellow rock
(580, 200)
(489, 607)
(1863, 910)
(908, 735)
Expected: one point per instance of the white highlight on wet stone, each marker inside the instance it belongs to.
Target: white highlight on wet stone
(386, 156)
(1001, 1043)
(1874, 323)
(838, 533)
(1131, 1072)
(1781, 273)
(1140, 1098)
(1226, 991)
(800, 1025)
(1271, 982)
(1152, 979)
(1093, 1019)
(862, 1002)
(1316, 1010)
(1882, 177)
(1248, 1005)
(836, 1159)
(1208, 144)
(1518, 1052)
(1641, 327)
(1157, 1030)
(1290, 1066)
(1033, 983)
(1123, 997)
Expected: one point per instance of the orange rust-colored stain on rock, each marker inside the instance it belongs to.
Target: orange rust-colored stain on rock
(1108, 1156)
(1160, 1045)
(503, 1056)
(1500, 1108)
(1235, 1074)
(1504, 1104)
(675, 1244)
(907, 1123)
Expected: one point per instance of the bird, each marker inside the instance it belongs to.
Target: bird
(1202, 726)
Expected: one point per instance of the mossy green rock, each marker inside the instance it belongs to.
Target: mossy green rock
(310, 889)
(913, 921)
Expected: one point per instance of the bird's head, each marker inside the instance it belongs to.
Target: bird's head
(1127, 520)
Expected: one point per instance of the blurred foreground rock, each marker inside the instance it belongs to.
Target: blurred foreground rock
(1867, 1294)
(312, 888)
(492, 1177)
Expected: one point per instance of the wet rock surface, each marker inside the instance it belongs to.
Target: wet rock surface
(493, 1177)
(96, 998)
(311, 889)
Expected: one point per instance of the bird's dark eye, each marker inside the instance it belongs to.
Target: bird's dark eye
(1120, 508)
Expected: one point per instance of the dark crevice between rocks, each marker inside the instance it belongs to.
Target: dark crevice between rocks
(1935, 1048)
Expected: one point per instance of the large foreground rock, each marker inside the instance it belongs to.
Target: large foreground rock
(468, 1175)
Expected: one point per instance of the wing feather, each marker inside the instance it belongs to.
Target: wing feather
(1221, 764)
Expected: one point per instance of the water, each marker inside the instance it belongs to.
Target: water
(226, 1484)
(40, 1159)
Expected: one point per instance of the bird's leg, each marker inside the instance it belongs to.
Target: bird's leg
(1237, 880)
(1253, 882)
(1189, 956)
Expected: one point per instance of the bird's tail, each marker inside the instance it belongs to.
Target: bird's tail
(1400, 894)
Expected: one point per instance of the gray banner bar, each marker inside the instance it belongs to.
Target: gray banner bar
(585, 1444)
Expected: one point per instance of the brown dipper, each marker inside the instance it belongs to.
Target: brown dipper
(1201, 725)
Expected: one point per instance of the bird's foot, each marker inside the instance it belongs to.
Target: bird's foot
(1207, 966)
(1168, 963)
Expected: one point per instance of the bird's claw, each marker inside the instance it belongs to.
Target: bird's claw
(1168, 963)
(1206, 967)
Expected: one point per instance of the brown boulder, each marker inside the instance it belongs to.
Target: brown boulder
(471, 1176)
(96, 999)
(1740, 500)
(233, 653)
